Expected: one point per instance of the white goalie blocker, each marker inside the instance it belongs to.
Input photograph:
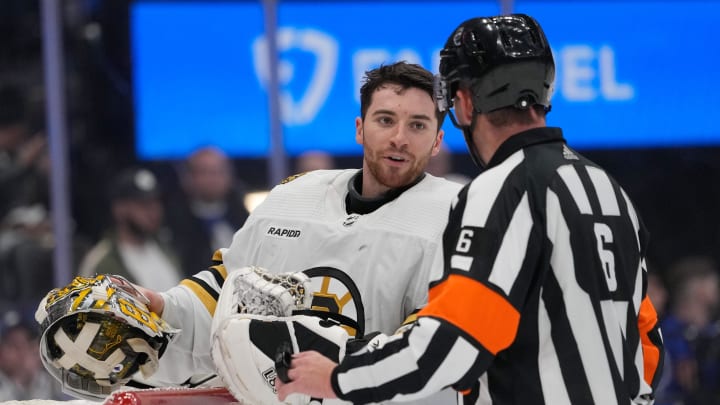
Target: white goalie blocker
(254, 320)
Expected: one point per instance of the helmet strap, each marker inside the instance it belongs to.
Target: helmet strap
(467, 133)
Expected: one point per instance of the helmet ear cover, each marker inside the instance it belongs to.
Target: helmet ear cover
(506, 61)
(494, 91)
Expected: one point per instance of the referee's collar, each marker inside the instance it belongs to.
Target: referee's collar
(524, 139)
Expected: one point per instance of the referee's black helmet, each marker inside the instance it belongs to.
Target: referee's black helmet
(505, 60)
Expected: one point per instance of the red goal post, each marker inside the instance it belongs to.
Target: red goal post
(172, 396)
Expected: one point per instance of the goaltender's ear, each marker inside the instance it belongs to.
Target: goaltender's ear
(359, 131)
(438, 143)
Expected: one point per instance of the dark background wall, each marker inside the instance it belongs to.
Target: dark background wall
(676, 189)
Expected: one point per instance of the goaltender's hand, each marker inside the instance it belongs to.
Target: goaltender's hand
(155, 303)
(309, 374)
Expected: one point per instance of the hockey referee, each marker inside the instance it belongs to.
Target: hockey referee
(542, 299)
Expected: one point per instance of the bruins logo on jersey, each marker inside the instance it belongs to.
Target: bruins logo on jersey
(291, 178)
(336, 297)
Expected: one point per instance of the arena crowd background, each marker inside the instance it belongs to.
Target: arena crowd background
(147, 82)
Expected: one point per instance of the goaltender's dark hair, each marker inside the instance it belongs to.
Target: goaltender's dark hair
(406, 75)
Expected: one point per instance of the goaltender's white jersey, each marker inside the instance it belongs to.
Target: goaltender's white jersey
(388, 254)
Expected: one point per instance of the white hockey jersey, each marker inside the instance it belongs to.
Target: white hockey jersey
(388, 254)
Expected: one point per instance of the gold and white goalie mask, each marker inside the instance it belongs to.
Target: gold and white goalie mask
(97, 332)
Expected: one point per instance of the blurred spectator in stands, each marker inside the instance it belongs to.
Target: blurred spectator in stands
(658, 293)
(314, 160)
(210, 210)
(137, 246)
(440, 165)
(23, 156)
(26, 239)
(691, 332)
(26, 255)
(22, 375)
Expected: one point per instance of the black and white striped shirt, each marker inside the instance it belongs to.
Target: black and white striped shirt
(542, 298)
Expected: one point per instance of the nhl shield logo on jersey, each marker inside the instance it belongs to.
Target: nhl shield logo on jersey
(291, 178)
(568, 154)
(336, 296)
(351, 219)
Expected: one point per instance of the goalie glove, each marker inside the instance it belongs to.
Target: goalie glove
(245, 349)
(96, 333)
(254, 290)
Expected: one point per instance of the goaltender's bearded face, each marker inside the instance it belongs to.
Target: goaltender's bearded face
(399, 135)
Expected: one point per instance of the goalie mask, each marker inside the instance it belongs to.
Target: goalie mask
(96, 333)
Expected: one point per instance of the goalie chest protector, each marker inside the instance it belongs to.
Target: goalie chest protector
(390, 254)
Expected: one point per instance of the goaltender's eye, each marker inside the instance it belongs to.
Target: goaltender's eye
(418, 125)
(385, 120)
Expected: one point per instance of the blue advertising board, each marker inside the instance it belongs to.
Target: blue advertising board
(633, 73)
(630, 74)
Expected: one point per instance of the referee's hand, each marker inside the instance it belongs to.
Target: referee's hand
(309, 374)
